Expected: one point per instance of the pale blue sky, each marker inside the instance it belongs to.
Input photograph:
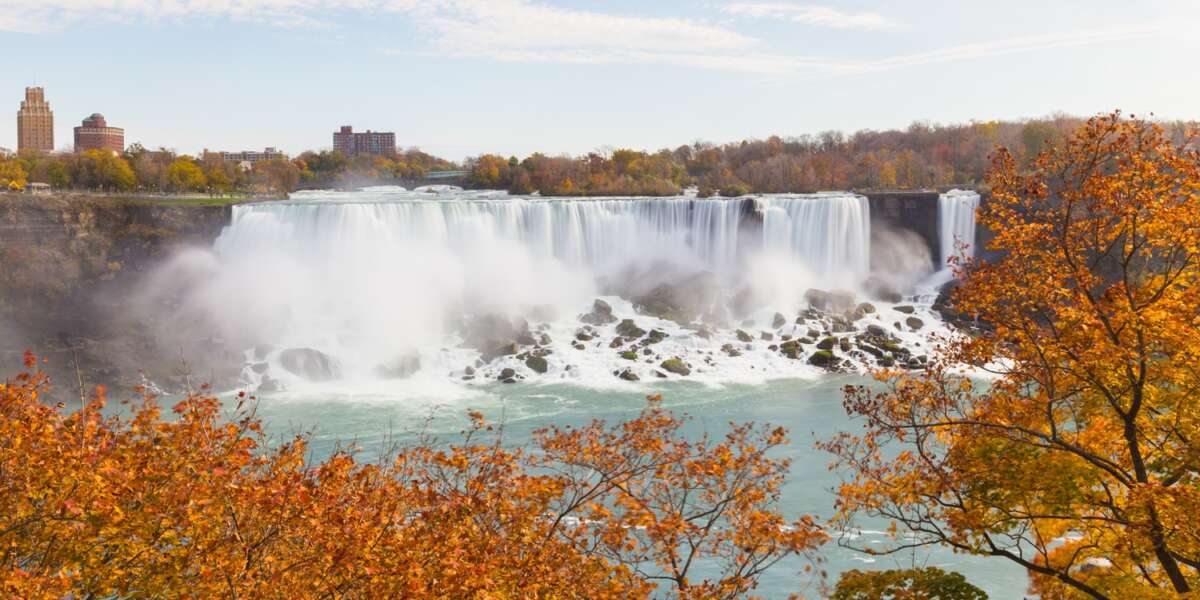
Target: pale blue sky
(460, 77)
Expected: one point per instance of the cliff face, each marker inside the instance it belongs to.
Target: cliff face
(68, 263)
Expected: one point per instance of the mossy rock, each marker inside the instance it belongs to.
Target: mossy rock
(537, 364)
(676, 366)
(822, 358)
(629, 355)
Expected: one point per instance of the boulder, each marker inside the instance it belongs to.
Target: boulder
(865, 308)
(844, 344)
(881, 290)
(778, 321)
(822, 358)
(507, 373)
(876, 330)
(655, 336)
(730, 350)
(601, 314)
(767, 336)
(827, 343)
(818, 299)
(906, 309)
(682, 301)
(629, 375)
(629, 355)
(617, 342)
(742, 336)
(914, 323)
(676, 366)
(498, 350)
(583, 336)
(310, 364)
(841, 300)
(790, 349)
(401, 368)
(628, 329)
(537, 364)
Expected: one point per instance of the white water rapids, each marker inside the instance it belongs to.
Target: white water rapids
(370, 277)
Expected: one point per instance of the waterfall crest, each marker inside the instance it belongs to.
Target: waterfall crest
(956, 224)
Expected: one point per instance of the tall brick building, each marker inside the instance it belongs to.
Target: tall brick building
(35, 122)
(378, 143)
(95, 134)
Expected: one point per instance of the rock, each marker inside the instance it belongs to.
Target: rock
(844, 344)
(682, 301)
(785, 337)
(813, 333)
(790, 349)
(507, 373)
(742, 336)
(537, 364)
(401, 368)
(601, 314)
(876, 330)
(872, 350)
(647, 351)
(818, 299)
(822, 358)
(827, 343)
(865, 308)
(730, 350)
(881, 290)
(544, 340)
(655, 336)
(676, 366)
(660, 374)
(778, 321)
(841, 300)
(704, 333)
(628, 329)
(312, 365)
(906, 309)
(583, 336)
(617, 342)
(914, 323)
(773, 347)
(578, 345)
(767, 336)
(500, 349)
(629, 355)
(629, 375)
(469, 370)
(526, 338)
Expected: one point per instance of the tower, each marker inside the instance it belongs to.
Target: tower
(35, 122)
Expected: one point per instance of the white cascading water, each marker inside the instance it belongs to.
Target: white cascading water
(369, 276)
(956, 224)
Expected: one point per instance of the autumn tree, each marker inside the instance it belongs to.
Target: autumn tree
(184, 175)
(99, 502)
(1079, 459)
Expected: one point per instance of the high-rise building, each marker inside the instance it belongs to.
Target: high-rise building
(378, 143)
(95, 134)
(35, 122)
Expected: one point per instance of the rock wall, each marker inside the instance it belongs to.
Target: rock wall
(912, 211)
(67, 266)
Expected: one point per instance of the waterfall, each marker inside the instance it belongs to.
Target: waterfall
(956, 223)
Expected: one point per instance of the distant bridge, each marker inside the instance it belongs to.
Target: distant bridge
(446, 174)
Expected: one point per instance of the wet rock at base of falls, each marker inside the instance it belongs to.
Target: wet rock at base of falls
(778, 321)
(578, 345)
(507, 375)
(703, 332)
(601, 314)
(544, 340)
(496, 349)
(822, 358)
(844, 344)
(876, 330)
(683, 301)
(813, 333)
(730, 350)
(629, 375)
(827, 343)
(400, 368)
(906, 309)
(655, 336)
(312, 365)
(882, 290)
(647, 351)
(617, 342)
(525, 338)
(790, 349)
(583, 336)
(914, 323)
(628, 329)
(660, 374)
(742, 336)
(629, 355)
(469, 370)
(676, 366)
(818, 299)
(767, 336)
(537, 364)
(865, 308)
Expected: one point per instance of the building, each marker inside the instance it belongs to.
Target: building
(246, 156)
(95, 134)
(35, 122)
(377, 143)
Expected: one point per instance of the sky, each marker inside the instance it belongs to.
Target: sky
(461, 77)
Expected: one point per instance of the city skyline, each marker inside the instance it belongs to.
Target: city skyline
(571, 76)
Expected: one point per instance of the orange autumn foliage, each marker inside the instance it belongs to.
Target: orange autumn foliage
(94, 505)
(1080, 460)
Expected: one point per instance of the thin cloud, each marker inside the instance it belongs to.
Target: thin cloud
(817, 16)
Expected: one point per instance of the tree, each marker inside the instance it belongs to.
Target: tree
(12, 175)
(184, 175)
(1080, 460)
(930, 583)
(94, 504)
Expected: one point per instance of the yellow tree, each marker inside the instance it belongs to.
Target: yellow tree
(1080, 459)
